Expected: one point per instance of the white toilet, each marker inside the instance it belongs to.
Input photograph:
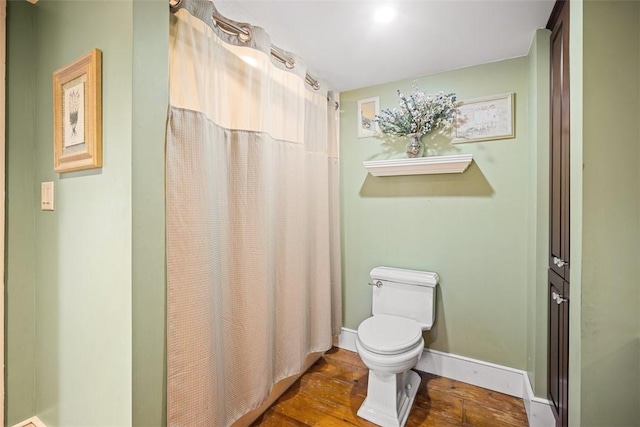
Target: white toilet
(390, 342)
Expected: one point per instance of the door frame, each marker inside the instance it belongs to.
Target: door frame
(3, 62)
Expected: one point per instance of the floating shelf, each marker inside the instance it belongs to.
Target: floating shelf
(420, 166)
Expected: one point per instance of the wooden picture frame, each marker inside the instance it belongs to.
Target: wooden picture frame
(77, 114)
(484, 119)
(368, 109)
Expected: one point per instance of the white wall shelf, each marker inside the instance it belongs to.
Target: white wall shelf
(420, 166)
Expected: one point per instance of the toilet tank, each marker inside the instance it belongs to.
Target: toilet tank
(405, 293)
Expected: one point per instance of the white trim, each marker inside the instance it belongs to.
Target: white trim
(347, 339)
(503, 379)
(483, 374)
(33, 421)
(538, 410)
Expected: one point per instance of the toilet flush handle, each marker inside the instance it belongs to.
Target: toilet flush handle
(377, 284)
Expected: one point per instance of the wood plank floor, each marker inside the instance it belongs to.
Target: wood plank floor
(330, 393)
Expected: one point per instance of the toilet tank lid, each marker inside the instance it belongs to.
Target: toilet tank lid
(400, 275)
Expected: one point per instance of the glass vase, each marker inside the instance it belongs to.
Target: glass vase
(414, 146)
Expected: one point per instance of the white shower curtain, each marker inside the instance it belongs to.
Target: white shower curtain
(252, 221)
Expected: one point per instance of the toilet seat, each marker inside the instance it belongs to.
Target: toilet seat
(389, 335)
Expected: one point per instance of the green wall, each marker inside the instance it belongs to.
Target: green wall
(469, 228)
(150, 100)
(538, 209)
(86, 283)
(20, 285)
(610, 372)
(83, 248)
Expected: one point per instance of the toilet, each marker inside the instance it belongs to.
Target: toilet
(390, 342)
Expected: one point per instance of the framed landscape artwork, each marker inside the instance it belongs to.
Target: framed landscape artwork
(484, 119)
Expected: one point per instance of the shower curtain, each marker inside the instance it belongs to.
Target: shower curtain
(253, 262)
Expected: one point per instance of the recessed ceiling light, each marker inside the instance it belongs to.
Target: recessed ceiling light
(384, 14)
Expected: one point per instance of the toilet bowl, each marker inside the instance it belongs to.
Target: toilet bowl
(390, 342)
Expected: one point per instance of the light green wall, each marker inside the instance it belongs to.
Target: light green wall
(89, 277)
(150, 99)
(20, 282)
(538, 209)
(470, 228)
(82, 261)
(610, 377)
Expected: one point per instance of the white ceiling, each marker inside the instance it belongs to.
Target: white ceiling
(342, 45)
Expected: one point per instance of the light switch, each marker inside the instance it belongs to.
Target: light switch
(46, 196)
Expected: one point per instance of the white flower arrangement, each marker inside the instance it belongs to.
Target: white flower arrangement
(418, 114)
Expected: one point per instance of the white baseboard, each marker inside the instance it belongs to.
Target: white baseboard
(483, 374)
(347, 339)
(503, 379)
(31, 422)
(539, 410)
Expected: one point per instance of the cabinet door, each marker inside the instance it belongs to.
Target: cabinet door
(559, 206)
(558, 347)
(559, 154)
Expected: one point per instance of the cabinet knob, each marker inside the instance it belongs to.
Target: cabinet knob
(557, 298)
(560, 263)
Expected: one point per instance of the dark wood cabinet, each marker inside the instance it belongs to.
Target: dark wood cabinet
(559, 155)
(558, 347)
(559, 250)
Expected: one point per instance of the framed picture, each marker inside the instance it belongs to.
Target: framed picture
(367, 111)
(484, 119)
(77, 114)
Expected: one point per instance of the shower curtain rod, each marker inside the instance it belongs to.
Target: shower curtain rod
(244, 34)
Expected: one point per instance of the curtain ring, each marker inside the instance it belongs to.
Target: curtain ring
(312, 82)
(243, 33)
(174, 5)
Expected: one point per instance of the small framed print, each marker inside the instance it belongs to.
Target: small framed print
(77, 114)
(484, 119)
(368, 109)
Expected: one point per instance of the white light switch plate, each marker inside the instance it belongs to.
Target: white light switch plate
(46, 196)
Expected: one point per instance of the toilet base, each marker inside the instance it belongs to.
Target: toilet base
(389, 398)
